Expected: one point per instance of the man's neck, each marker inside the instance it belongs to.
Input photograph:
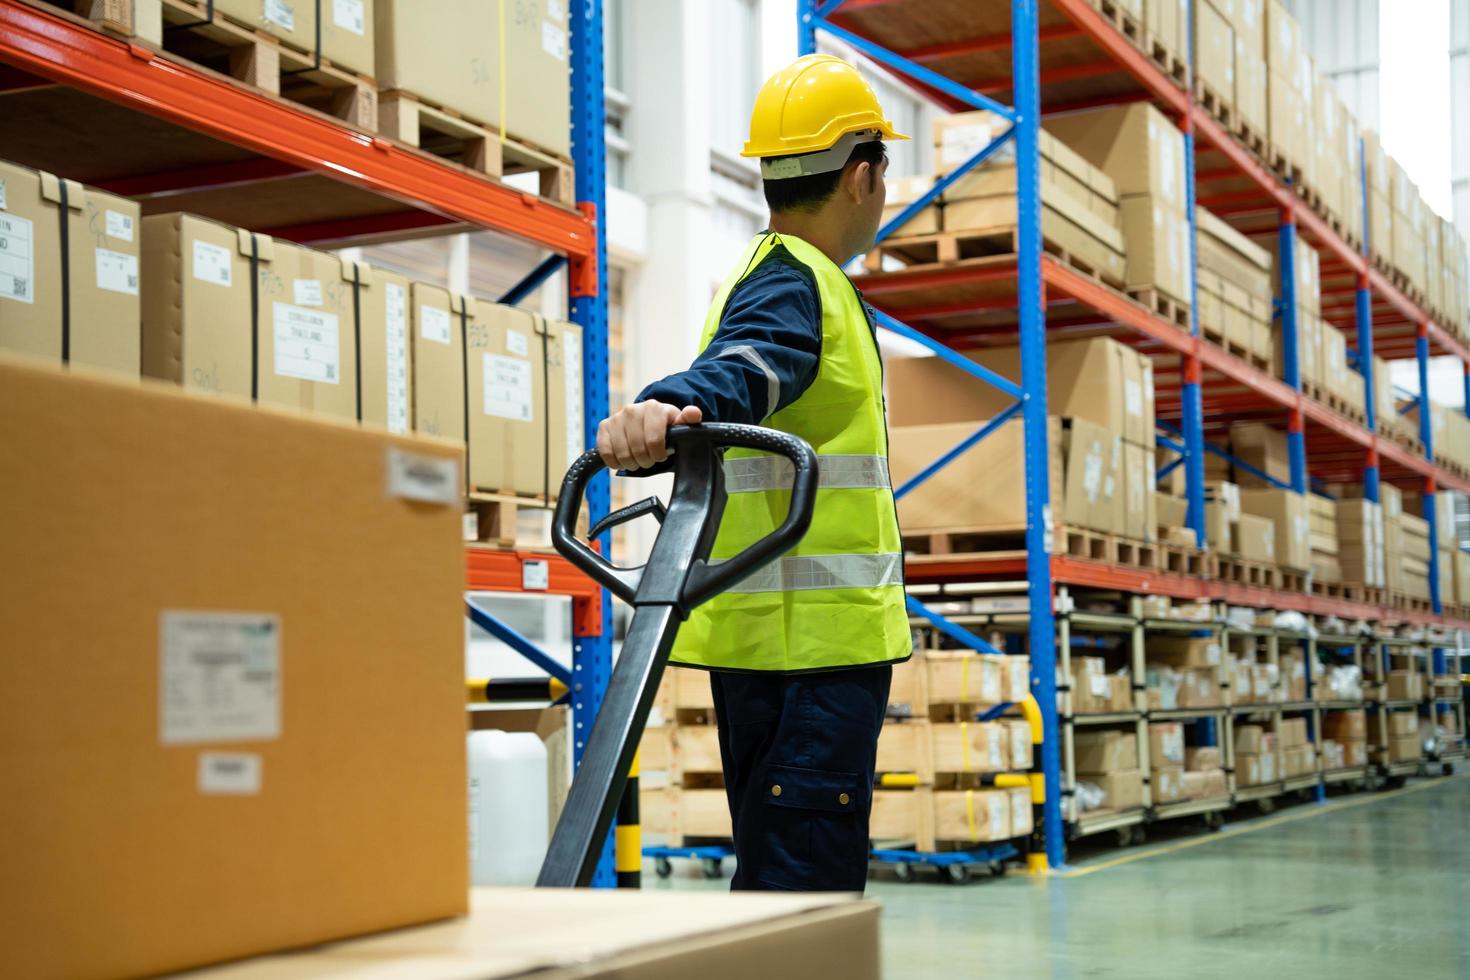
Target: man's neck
(814, 229)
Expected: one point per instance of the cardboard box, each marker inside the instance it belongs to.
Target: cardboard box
(304, 330)
(962, 677)
(1253, 770)
(1167, 785)
(1104, 751)
(1293, 731)
(439, 325)
(1206, 784)
(347, 36)
(101, 322)
(1345, 726)
(1098, 380)
(1182, 651)
(1403, 723)
(1255, 538)
(1066, 222)
(972, 815)
(1122, 788)
(1405, 685)
(1200, 687)
(1023, 815)
(1298, 760)
(1404, 748)
(1249, 739)
(1165, 744)
(1020, 742)
(387, 376)
(970, 747)
(903, 191)
(1264, 447)
(293, 21)
(277, 631)
(1288, 514)
(1355, 753)
(453, 59)
(1250, 83)
(1015, 677)
(1092, 687)
(1156, 247)
(1202, 757)
(1136, 145)
(1214, 50)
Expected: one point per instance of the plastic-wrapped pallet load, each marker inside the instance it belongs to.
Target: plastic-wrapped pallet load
(69, 271)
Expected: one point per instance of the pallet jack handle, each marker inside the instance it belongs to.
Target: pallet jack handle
(677, 578)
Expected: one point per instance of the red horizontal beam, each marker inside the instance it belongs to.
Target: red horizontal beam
(215, 177)
(145, 80)
(1121, 50)
(488, 570)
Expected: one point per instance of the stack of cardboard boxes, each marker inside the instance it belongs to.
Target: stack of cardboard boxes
(1166, 762)
(1290, 82)
(1290, 521)
(1348, 730)
(1255, 756)
(1298, 754)
(1404, 743)
(1361, 542)
(1109, 761)
(1079, 203)
(1183, 671)
(1101, 454)
(1204, 773)
(1143, 152)
(1234, 288)
(1307, 281)
(1095, 691)
(1450, 430)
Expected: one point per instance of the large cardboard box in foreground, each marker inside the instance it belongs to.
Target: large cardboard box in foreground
(254, 737)
(98, 326)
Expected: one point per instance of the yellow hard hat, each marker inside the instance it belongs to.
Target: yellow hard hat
(816, 105)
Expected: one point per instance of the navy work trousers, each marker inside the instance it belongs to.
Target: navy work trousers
(799, 753)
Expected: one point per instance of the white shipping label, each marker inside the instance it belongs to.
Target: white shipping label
(415, 476)
(308, 292)
(396, 314)
(1132, 397)
(2, 195)
(219, 677)
(348, 15)
(1000, 822)
(1092, 475)
(434, 324)
(997, 761)
(1099, 685)
(280, 13)
(117, 271)
(1048, 530)
(212, 263)
(555, 10)
(572, 366)
(306, 344)
(553, 40)
(17, 259)
(535, 575)
(119, 226)
(229, 773)
(508, 388)
(517, 343)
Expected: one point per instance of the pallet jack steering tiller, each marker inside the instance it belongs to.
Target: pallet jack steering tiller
(678, 577)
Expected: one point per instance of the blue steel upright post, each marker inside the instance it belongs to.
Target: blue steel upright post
(806, 27)
(1296, 446)
(1365, 338)
(1191, 398)
(1426, 435)
(591, 655)
(1026, 79)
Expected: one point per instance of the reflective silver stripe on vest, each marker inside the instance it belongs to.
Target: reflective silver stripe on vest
(749, 474)
(795, 574)
(773, 383)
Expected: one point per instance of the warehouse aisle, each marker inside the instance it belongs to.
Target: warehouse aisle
(1376, 885)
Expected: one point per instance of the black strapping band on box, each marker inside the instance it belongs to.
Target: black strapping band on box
(357, 330)
(254, 318)
(464, 368)
(65, 273)
(1064, 688)
(1070, 792)
(545, 409)
(316, 61)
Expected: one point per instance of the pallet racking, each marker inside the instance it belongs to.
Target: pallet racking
(1054, 55)
(161, 125)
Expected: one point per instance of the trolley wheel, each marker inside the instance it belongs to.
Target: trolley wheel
(663, 867)
(1266, 805)
(956, 874)
(1395, 782)
(711, 867)
(903, 871)
(1447, 768)
(1214, 821)
(1125, 836)
(997, 868)
(1140, 835)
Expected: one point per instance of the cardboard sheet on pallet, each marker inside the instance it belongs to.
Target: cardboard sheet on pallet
(254, 562)
(102, 270)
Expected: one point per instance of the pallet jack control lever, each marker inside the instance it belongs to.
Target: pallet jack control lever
(677, 578)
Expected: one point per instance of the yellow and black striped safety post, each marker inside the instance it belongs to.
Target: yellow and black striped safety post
(628, 838)
(485, 690)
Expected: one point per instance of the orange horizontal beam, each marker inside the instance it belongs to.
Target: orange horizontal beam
(491, 570)
(141, 78)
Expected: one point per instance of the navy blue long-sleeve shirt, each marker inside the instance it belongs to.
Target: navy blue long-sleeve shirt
(765, 353)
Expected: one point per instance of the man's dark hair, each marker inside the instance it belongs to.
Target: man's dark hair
(810, 193)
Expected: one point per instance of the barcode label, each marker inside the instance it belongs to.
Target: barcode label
(229, 773)
(117, 271)
(17, 258)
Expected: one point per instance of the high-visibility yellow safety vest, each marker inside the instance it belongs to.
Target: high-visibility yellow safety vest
(837, 599)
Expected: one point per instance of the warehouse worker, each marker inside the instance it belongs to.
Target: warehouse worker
(800, 653)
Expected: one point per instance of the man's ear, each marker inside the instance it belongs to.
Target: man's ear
(858, 181)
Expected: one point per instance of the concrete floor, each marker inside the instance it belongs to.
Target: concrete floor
(1366, 885)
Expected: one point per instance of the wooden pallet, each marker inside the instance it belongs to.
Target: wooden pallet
(1161, 305)
(508, 521)
(1285, 168)
(1332, 590)
(949, 247)
(1123, 21)
(1292, 579)
(448, 134)
(1249, 136)
(1243, 571)
(1215, 104)
(1179, 560)
(1164, 59)
(1137, 554)
(193, 31)
(1404, 602)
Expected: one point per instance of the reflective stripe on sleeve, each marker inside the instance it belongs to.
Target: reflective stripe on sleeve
(773, 383)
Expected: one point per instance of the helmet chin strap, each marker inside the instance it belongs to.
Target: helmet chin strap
(825, 161)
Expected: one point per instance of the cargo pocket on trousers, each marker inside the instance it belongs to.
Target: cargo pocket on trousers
(816, 829)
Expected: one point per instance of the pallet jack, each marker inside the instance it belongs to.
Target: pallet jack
(677, 578)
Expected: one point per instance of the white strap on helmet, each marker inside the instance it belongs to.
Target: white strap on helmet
(821, 162)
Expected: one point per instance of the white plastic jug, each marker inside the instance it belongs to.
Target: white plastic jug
(509, 807)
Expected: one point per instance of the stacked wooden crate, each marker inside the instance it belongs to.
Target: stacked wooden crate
(1233, 283)
(681, 779)
(933, 742)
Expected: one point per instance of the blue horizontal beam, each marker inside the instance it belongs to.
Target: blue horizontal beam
(957, 633)
(533, 279)
(518, 643)
(1163, 474)
(943, 184)
(1173, 444)
(917, 71)
(949, 355)
(959, 449)
(1238, 463)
